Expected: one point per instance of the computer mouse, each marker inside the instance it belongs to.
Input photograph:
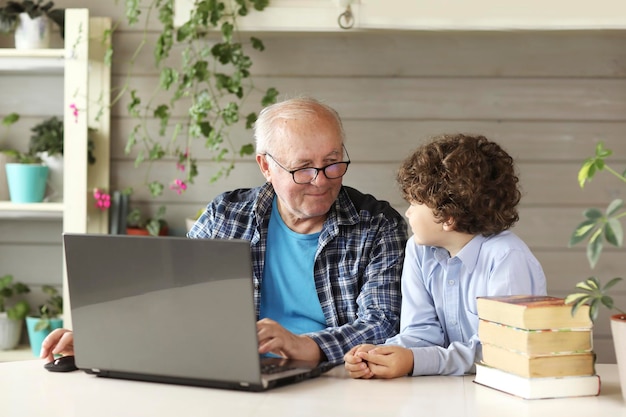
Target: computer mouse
(62, 364)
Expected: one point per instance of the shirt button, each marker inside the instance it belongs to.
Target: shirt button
(451, 282)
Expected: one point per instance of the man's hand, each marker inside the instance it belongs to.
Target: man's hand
(59, 341)
(274, 338)
(354, 363)
(388, 361)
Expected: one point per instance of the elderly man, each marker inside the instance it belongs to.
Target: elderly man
(327, 259)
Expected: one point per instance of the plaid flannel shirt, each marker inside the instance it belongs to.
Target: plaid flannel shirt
(357, 267)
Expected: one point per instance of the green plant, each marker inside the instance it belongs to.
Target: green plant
(9, 14)
(152, 224)
(8, 290)
(212, 83)
(22, 157)
(598, 226)
(591, 291)
(47, 136)
(50, 309)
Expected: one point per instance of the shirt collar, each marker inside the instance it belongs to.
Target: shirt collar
(468, 256)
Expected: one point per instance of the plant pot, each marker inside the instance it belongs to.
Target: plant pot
(37, 337)
(54, 163)
(618, 329)
(189, 222)
(10, 332)
(4, 186)
(138, 231)
(32, 33)
(27, 182)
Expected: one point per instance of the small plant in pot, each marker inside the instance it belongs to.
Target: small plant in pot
(47, 319)
(28, 20)
(26, 176)
(13, 310)
(601, 226)
(47, 142)
(138, 224)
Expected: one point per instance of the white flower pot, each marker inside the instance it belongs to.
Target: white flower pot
(32, 33)
(4, 185)
(54, 191)
(618, 329)
(10, 332)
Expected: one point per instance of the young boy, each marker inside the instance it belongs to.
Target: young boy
(463, 193)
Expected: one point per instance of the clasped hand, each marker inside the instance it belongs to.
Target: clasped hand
(371, 361)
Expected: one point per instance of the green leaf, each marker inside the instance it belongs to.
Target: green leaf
(250, 119)
(611, 283)
(9, 119)
(270, 97)
(613, 232)
(42, 324)
(593, 214)
(614, 206)
(257, 43)
(594, 248)
(247, 149)
(582, 231)
(156, 188)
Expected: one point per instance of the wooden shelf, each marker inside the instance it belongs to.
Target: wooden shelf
(25, 211)
(47, 60)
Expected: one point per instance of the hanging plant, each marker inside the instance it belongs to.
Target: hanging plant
(212, 84)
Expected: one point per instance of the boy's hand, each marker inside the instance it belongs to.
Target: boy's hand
(387, 361)
(354, 363)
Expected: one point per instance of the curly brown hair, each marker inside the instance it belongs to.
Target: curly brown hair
(469, 179)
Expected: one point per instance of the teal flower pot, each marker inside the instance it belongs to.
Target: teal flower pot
(27, 182)
(36, 337)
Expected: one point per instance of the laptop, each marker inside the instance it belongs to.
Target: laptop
(170, 309)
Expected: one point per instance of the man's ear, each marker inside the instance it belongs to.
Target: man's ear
(264, 166)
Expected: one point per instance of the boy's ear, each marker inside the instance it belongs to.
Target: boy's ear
(448, 225)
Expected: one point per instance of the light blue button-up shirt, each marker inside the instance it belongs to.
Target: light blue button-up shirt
(439, 321)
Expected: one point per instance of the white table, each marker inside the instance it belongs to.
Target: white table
(29, 390)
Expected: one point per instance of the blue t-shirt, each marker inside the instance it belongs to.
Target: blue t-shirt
(288, 293)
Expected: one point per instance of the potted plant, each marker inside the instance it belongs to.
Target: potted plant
(29, 21)
(46, 141)
(138, 224)
(47, 319)
(7, 122)
(13, 310)
(26, 177)
(597, 228)
(211, 85)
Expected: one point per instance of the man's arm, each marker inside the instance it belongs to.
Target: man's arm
(369, 312)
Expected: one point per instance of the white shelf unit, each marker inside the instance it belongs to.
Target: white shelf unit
(86, 84)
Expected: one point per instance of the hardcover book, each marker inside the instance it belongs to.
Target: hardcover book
(529, 366)
(536, 342)
(532, 312)
(537, 388)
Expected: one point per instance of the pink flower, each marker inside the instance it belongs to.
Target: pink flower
(178, 185)
(103, 199)
(74, 112)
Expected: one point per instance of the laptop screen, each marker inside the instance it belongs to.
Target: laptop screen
(167, 306)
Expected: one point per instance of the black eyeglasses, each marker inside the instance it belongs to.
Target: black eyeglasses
(308, 175)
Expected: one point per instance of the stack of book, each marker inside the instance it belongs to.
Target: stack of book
(534, 348)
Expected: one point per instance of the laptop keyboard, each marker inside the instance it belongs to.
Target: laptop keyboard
(273, 368)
